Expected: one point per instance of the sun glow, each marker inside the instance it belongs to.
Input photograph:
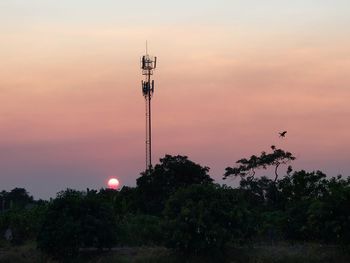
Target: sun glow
(113, 183)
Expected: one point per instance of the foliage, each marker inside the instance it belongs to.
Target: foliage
(16, 198)
(202, 218)
(247, 167)
(176, 204)
(75, 220)
(174, 172)
(301, 206)
(140, 230)
(329, 216)
(21, 215)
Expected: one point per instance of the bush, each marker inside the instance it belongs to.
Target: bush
(140, 230)
(203, 218)
(23, 223)
(172, 173)
(76, 220)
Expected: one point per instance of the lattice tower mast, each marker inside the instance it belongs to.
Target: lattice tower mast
(148, 64)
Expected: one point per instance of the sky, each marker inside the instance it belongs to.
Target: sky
(230, 76)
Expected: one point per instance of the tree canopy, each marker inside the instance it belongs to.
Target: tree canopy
(247, 167)
(176, 204)
(172, 173)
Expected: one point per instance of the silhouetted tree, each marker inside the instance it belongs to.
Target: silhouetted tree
(328, 216)
(140, 230)
(75, 220)
(17, 198)
(247, 167)
(203, 218)
(172, 173)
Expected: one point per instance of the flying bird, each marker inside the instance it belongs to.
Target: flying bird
(282, 134)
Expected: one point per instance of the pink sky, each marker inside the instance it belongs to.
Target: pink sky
(72, 111)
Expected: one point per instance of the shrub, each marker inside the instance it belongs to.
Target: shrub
(202, 218)
(76, 220)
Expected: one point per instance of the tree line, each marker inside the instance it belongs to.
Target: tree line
(178, 205)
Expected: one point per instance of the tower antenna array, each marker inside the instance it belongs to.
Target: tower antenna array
(148, 64)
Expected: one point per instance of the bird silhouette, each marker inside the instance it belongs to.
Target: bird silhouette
(282, 134)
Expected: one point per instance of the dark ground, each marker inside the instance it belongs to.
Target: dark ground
(284, 253)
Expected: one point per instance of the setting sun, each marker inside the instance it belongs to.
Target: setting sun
(113, 183)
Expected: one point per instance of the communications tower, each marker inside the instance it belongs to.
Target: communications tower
(148, 64)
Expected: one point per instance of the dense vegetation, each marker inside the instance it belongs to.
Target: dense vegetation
(177, 205)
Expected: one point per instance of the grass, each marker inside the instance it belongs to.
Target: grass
(278, 253)
(26, 253)
(287, 253)
(126, 255)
